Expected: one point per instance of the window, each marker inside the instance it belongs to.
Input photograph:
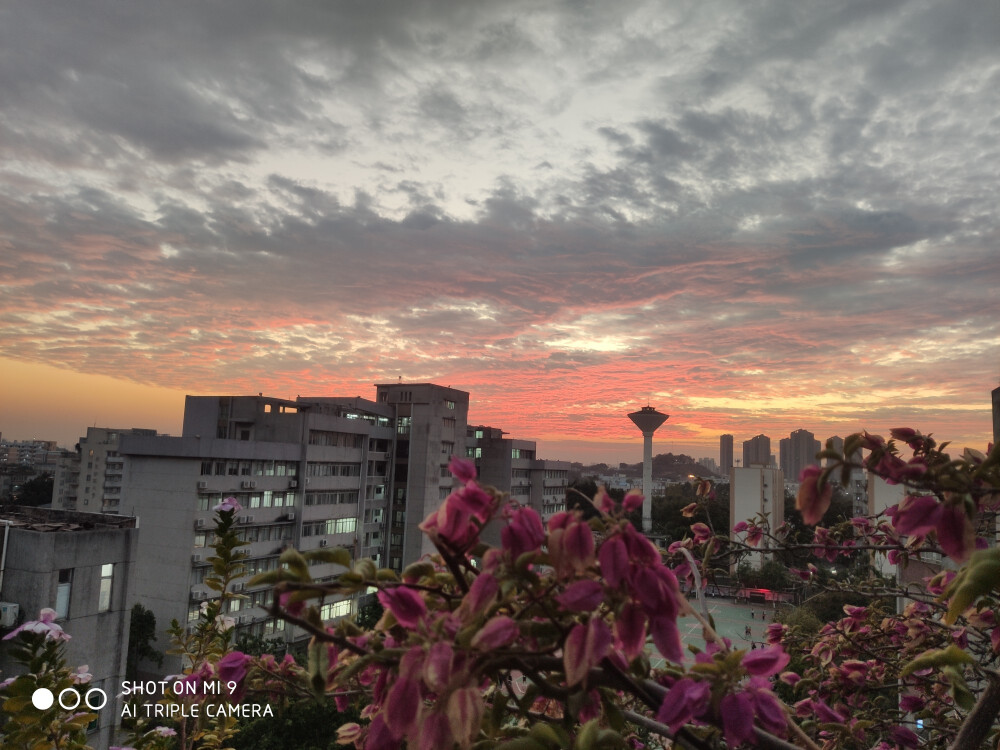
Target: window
(62, 593)
(107, 580)
(449, 404)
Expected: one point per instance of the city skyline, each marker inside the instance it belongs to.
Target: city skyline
(755, 219)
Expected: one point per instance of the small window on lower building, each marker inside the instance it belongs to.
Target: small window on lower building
(62, 593)
(107, 579)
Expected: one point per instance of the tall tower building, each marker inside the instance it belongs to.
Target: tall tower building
(725, 453)
(996, 416)
(431, 423)
(757, 451)
(648, 420)
(797, 451)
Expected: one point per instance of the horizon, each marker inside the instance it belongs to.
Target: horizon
(756, 218)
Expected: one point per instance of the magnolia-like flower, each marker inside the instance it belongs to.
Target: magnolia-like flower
(164, 732)
(233, 668)
(812, 501)
(229, 505)
(498, 632)
(462, 469)
(45, 625)
(766, 661)
(585, 646)
(406, 605)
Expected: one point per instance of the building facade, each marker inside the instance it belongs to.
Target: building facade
(757, 451)
(725, 454)
(756, 491)
(797, 451)
(82, 566)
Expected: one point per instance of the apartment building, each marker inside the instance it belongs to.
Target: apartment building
(82, 566)
(796, 452)
(430, 427)
(757, 451)
(309, 473)
(512, 466)
(754, 491)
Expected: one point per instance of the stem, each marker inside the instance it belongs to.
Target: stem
(980, 720)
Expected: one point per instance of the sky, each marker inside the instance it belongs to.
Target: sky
(756, 217)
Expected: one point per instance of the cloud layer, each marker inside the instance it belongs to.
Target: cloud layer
(756, 217)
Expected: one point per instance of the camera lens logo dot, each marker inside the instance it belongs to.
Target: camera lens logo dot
(42, 699)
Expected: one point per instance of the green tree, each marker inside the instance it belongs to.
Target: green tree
(141, 634)
(36, 491)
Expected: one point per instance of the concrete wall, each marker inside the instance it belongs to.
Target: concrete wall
(98, 639)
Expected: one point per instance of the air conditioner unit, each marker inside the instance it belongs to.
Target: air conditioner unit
(199, 596)
(8, 614)
(202, 485)
(199, 523)
(293, 483)
(248, 484)
(239, 586)
(324, 542)
(196, 558)
(290, 515)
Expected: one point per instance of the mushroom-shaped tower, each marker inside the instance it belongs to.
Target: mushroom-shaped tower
(648, 420)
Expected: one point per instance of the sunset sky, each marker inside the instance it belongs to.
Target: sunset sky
(754, 216)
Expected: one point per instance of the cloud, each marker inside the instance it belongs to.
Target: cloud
(777, 215)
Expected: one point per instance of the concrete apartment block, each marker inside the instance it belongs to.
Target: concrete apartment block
(81, 565)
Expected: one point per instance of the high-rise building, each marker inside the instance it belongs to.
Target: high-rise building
(996, 416)
(757, 451)
(798, 451)
(756, 491)
(431, 423)
(725, 453)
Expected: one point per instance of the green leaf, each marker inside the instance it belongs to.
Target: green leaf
(937, 658)
(977, 579)
(296, 563)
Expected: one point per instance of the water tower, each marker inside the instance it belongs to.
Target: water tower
(648, 420)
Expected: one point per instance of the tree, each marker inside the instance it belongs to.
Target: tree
(36, 491)
(141, 634)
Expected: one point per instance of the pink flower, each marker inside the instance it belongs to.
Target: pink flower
(401, 707)
(462, 469)
(766, 661)
(584, 648)
(633, 501)
(406, 605)
(435, 732)
(438, 666)
(44, 625)
(379, 736)
(482, 593)
(498, 632)
(229, 505)
(581, 596)
(737, 718)
(685, 701)
(578, 544)
(701, 533)
(465, 714)
(613, 557)
(524, 533)
(666, 637)
(955, 533)
(165, 732)
(740, 527)
(233, 668)
(813, 500)
(630, 628)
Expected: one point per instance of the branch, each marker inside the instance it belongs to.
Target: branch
(981, 718)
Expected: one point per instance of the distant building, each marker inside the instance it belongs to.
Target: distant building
(91, 479)
(757, 451)
(797, 451)
(82, 566)
(756, 490)
(512, 466)
(709, 463)
(725, 453)
(996, 416)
